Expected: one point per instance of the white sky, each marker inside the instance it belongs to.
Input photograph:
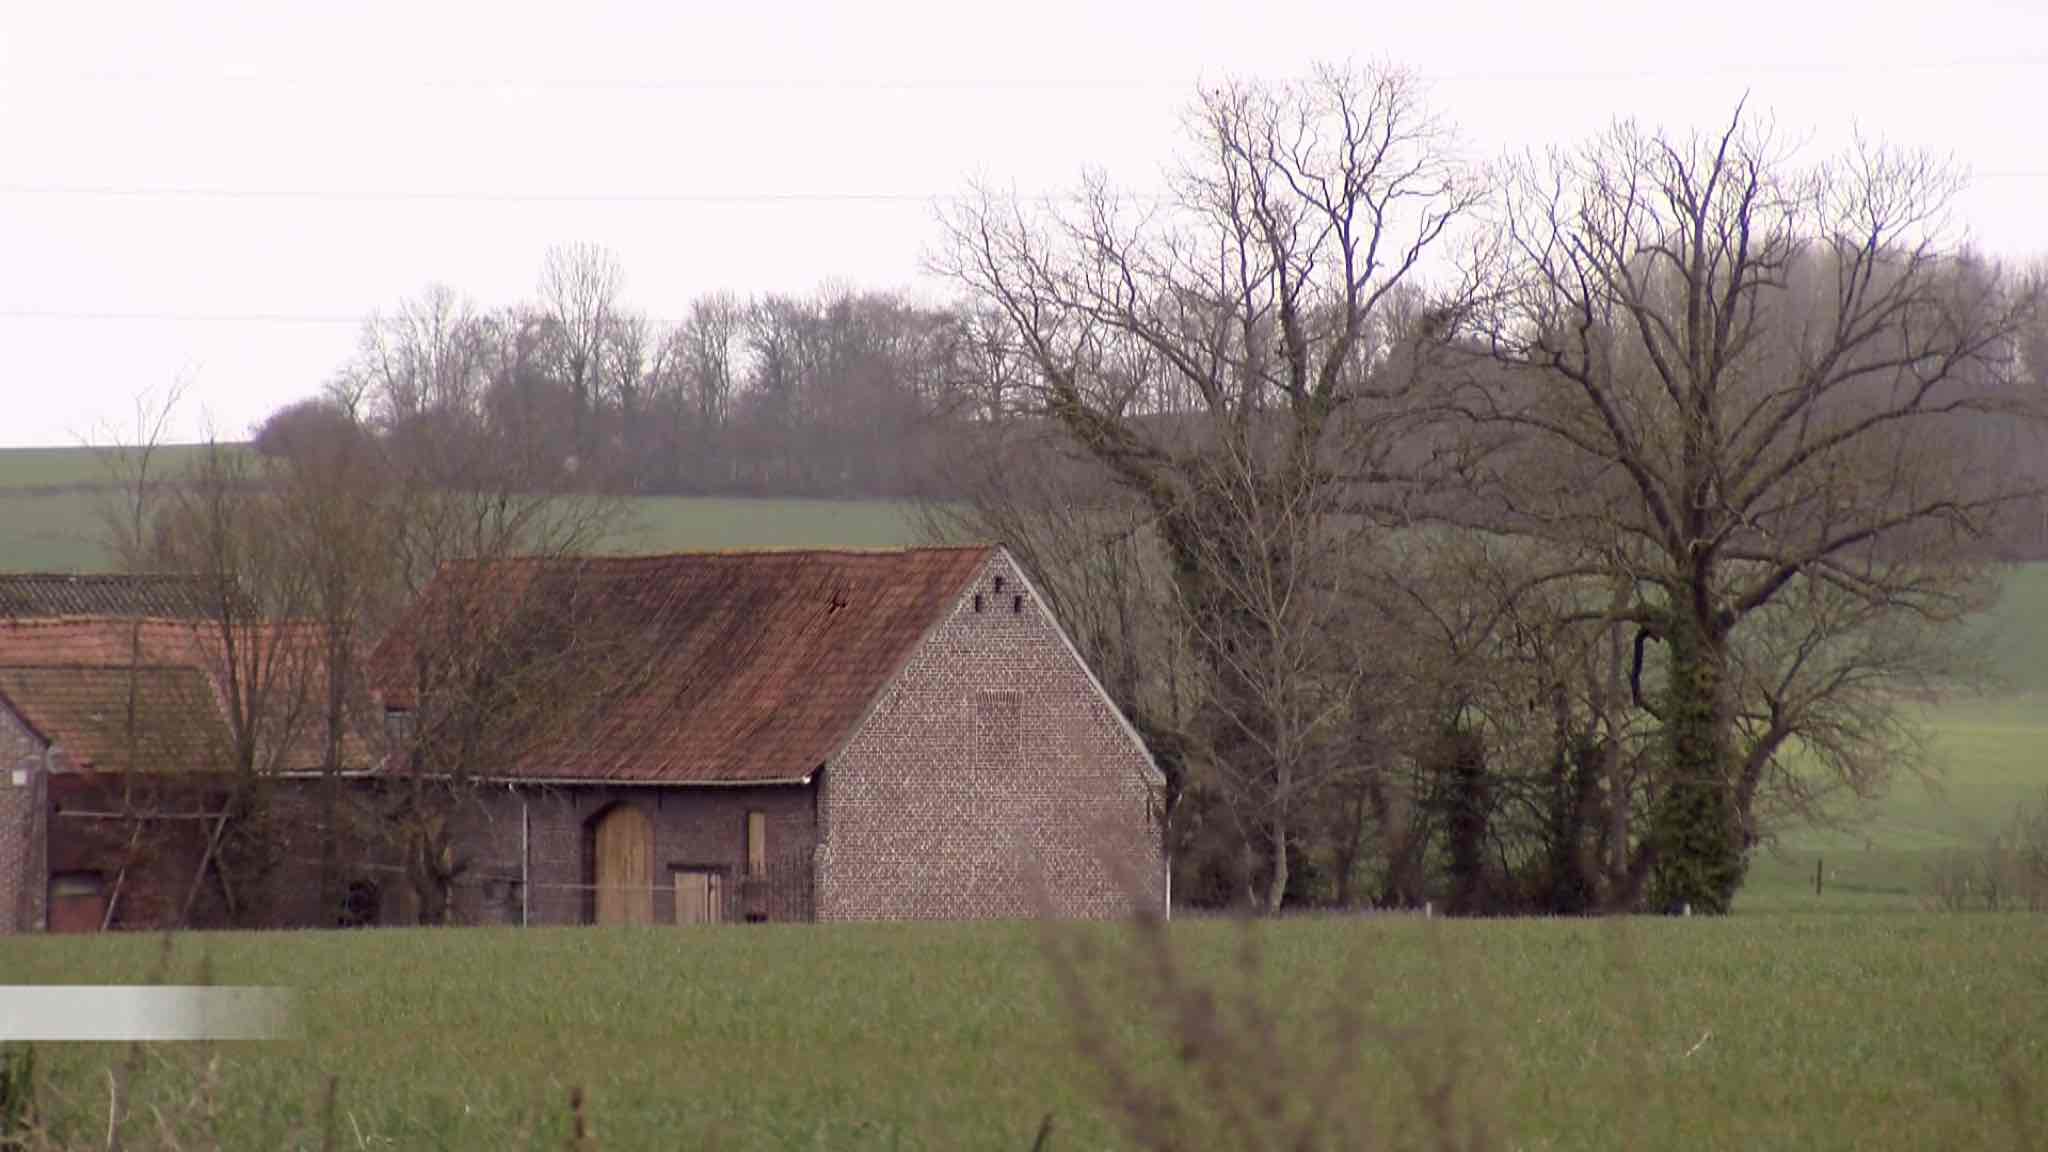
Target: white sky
(350, 154)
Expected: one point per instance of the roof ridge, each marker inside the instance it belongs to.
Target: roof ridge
(100, 618)
(66, 574)
(773, 550)
(86, 666)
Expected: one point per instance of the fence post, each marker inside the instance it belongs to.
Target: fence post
(1816, 875)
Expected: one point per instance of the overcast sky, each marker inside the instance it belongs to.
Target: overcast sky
(220, 192)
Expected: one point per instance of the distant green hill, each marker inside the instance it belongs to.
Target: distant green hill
(52, 501)
(72, 467)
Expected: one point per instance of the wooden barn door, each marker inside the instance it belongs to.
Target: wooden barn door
(625, 875)
(700, 898)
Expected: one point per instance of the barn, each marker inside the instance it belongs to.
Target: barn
(831, 735)
(116, 757)
(752, 736)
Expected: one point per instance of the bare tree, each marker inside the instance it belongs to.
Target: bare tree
(334, 494)
(1746, 380)
(491, 665)
(161, 723)
(426, 358)
(1216, 353)
(225, 522)
(778, 344)
(627, 370)
(579, 288)
(699, 374)
(136, 479)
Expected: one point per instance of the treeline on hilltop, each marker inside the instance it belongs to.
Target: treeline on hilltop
(841, 393)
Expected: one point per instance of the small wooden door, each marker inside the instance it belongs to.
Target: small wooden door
(699, 898)
(78, 902)
(625, 876)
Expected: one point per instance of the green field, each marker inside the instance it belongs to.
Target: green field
(80, 467)
(58, 530)
(53, 503)
(1788, 1032)
(1986, 755)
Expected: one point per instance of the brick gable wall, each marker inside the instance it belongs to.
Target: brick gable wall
(992, 779)
(21, 806)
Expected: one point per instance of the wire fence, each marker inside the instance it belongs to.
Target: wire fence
(493, 893)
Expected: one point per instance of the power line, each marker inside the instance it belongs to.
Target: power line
(162, 192)
(437, 195)
(61, 314)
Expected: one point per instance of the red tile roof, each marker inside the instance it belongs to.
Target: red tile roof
(761, 664)
(113, 644)
(112, 719)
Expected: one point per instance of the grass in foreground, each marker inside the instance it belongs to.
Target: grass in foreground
(1807, 1032)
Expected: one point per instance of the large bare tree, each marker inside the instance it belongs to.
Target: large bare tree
(433, 498)
(218, 519)
(1748, 381)
(1219, 351)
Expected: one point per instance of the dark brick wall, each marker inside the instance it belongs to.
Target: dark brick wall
(147, 877)
(693, 828)
(295, 817)
(277, 884)
(992, 780)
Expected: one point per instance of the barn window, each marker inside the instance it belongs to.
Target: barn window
(999, 585)
(977, 601)
(998, 725)
(757, 843)
(1017, 605)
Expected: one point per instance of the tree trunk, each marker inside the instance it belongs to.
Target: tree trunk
(430, 885)
(1614, 768)
(330, 787)
(330, 855)
(1350, 837)
(1276, 845)
(1571, 889)
(1700, 856)
(1463, 766)
(1402, 885)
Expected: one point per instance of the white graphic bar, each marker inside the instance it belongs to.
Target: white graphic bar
(123, 1012)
